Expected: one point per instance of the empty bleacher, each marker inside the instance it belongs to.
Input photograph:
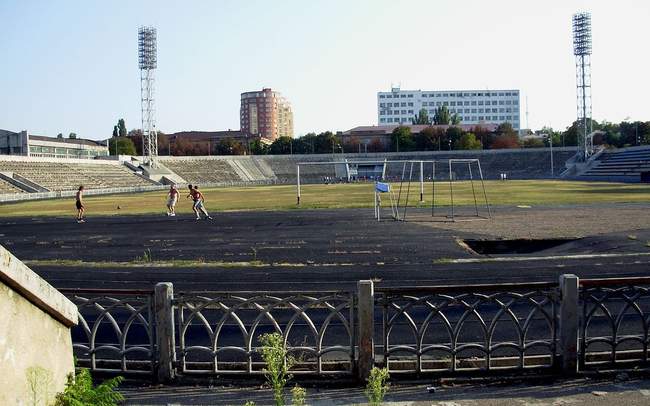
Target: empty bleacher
(203, 170)
(7, 188)
(622, 165)
(61, 176)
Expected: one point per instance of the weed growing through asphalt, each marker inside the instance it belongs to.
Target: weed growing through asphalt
(298, 396)
(79, 390)
(278, 363)
(377, 386)
(146, 256)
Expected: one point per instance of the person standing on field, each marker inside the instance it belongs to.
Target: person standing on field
(198, 201)
(172, 198)
(80, 205)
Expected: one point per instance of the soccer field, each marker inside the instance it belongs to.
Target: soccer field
(510, 193)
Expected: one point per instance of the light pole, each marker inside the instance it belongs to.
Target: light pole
(550, 143)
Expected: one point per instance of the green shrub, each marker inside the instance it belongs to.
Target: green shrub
(278, 364)
(377, 386)
(79, 391)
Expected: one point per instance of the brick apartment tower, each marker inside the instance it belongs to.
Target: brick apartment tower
(266, 114)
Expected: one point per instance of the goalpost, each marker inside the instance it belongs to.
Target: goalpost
(395, 178)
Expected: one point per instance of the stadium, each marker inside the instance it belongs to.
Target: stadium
(264, 248)
(505, 262)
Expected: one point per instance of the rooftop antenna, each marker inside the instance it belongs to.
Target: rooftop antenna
(147, 62)
(582, 52)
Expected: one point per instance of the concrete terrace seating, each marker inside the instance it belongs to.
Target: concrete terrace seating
(203, 170)
(6, 187)
(624, 165)
(60, 176)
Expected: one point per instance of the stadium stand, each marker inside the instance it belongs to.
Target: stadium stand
(626, 165)
(60, 176)
(203, 170)
(6, 187)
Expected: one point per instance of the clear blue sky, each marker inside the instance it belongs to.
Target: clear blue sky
(72, 65)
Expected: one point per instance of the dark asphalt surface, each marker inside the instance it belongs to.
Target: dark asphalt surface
(318, 249)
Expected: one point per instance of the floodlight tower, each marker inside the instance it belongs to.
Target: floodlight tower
(582, 52)
(147, 62)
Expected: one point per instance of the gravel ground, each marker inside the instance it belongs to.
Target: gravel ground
(548, 222)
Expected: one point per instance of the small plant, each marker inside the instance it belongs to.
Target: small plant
(79, 391)
(146, 256)
(249, 403)
(298, 396)
(377, 386)
(278, 364)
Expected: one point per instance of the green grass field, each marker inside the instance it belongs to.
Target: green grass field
(510, 193)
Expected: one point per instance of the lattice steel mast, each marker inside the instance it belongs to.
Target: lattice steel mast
(147, 63)
(582, 52)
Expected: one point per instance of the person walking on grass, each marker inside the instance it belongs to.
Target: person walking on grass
(198, 205)
(80, 205)
(172, 198)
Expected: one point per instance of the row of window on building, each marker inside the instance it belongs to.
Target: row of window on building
(453, 103)
(454, 111)
(464, 119)
(456, 94)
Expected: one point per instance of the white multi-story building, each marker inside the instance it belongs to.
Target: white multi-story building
(472, 106)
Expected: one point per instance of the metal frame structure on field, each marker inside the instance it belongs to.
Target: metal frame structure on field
(395, 207)
(148, 62)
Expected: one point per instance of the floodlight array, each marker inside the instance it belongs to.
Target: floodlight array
(582, 34)
(147, 52)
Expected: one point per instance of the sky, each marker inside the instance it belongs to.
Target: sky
(71, 66)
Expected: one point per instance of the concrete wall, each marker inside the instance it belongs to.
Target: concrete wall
(35, 342)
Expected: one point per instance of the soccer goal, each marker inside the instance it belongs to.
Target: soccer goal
(442, 190)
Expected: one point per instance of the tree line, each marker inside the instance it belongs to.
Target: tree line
(401, 139)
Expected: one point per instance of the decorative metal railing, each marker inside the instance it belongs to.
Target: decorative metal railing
(218, 332)
(469, 328)
(115, 331)
(615, 322)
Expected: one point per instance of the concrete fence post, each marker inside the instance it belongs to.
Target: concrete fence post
(569, 325)
(165, 340)
(366, 317)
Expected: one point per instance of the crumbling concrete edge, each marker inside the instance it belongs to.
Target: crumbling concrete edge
(35, 289)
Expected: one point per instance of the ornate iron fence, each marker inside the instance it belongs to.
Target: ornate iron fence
(469, 328)
(218, 332)
(615, 322)
(115, 331)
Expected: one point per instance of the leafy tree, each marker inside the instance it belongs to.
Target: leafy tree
(121, 146)
(421, 118)
(429, 139)
(115, 131)
(229, 146)
(282, 145)
(453, 135)
(455, 119)
(402, 140)
(257, 147)
(326, 142)
(534, 143)
(59, 135)
(570, 135)
(505, 141)
(72, 136)
(442, 117)
(136, 132)
(121, 126)
(468, 141)
(305, 144)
